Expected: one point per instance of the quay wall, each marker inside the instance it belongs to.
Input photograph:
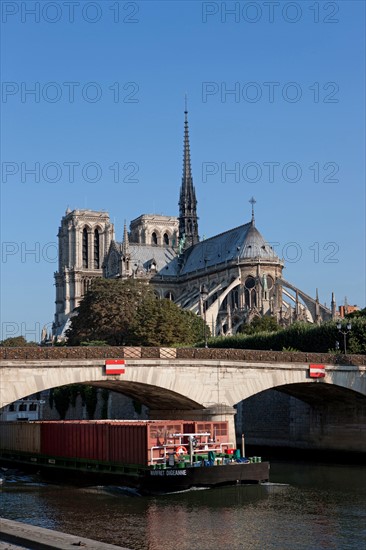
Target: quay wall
(31, 537)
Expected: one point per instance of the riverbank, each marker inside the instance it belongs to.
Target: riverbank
(22, 535)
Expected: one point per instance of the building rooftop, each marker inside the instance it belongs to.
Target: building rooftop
(243, 242)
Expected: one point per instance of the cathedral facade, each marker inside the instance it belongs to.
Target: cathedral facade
(230, 278)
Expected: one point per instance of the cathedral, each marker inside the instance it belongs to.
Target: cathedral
(230, 278)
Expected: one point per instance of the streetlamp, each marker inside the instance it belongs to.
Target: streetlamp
(347, 330)
(204, 295)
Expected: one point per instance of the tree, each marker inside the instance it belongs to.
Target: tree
(356, 314)
(108, 312)
(163, 323)
(128, 313)
(17, 342)
(260, 324)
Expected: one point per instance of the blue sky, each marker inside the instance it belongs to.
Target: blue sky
(110, 93)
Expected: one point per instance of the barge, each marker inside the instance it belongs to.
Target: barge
(151, 456)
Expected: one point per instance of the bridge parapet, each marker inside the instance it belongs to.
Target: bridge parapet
(116, 352)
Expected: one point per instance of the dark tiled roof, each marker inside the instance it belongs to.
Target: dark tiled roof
(165, 258)
(243, 242)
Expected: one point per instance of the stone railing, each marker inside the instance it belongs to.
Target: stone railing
(115, 352)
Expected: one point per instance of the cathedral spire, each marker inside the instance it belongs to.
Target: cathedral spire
(125, 242)
(188, 220)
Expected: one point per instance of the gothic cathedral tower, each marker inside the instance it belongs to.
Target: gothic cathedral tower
(188, 220)
(83, 240)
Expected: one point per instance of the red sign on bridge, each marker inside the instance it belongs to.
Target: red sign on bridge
(114, 366)
(317, 371)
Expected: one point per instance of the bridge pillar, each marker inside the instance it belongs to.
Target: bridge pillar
(214, 413)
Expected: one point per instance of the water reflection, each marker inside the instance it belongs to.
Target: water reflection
(321, 507)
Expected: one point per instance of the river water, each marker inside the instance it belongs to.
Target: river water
(307, 506)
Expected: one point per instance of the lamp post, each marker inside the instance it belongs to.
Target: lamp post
(347, 330)
(204, 295)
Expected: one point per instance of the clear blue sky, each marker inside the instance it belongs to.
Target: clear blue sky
(298, 74)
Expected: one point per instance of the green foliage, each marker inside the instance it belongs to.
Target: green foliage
(301, 337)
(17, 342)
(50, 399)
(163, 323)
(357, 314)
(65, 396)
(75, 390)
(105, 397)
(90, 397)
(137, 406)
(108, 312)
(61, 398)
(260, 324)
(128, 313)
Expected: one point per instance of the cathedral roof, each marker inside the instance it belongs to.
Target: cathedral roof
(243, 242)
(164, 258)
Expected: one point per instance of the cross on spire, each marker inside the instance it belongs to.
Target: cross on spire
(252, 202)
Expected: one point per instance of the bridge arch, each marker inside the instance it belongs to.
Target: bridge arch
(320, 417)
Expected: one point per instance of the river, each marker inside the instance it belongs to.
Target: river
(307, 506)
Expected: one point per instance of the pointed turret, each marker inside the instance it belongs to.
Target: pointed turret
(252, 202)
(317, 308)
(125, 242)
(126, 256)
(188, 220)
(333, 307)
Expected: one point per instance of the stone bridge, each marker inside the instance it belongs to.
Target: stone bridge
(183, 382)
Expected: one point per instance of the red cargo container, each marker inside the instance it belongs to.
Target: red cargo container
(124, 441)
(128, 443)
(75, 439)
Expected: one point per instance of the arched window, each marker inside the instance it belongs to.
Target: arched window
(85, 248)
(154, 238)
(166, 239)
(96, 250)
(250, 292)
(169, 296)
